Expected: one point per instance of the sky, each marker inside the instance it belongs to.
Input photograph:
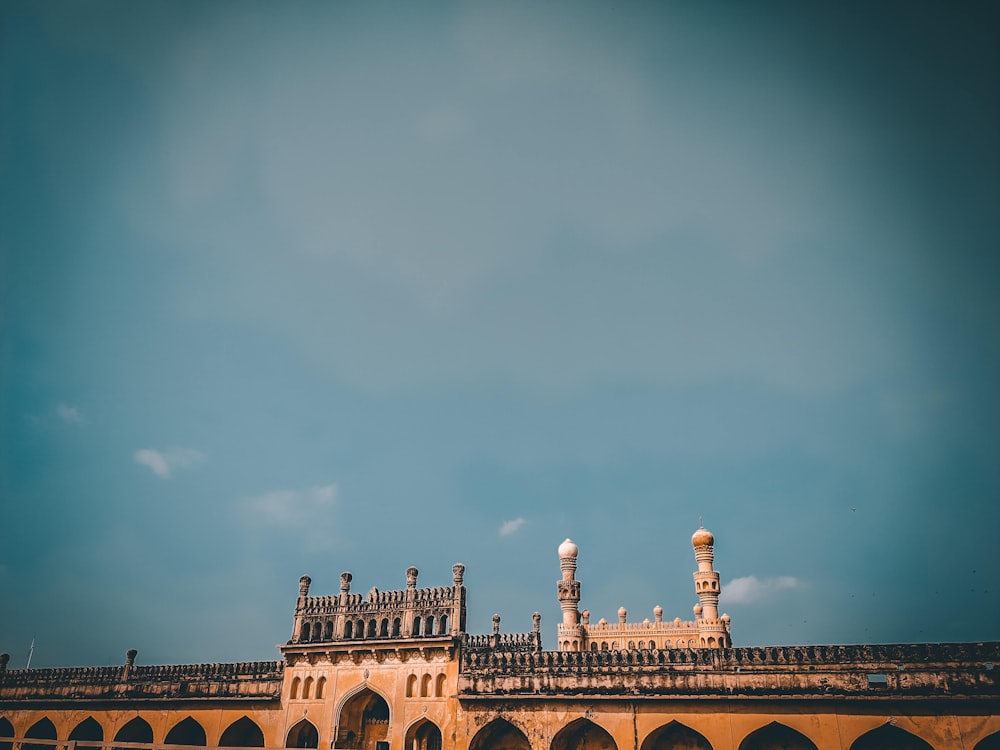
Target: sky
(305, 288)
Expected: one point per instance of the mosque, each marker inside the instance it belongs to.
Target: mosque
(396, 670)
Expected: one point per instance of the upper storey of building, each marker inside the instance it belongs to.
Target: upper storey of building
(387, 619)
(707, 630)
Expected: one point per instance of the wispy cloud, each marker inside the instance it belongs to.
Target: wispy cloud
(294, 507)
(751, 589)
(511, 527)
(69, 414)
(165, 463)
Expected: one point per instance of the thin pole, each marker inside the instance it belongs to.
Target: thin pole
(31, 651)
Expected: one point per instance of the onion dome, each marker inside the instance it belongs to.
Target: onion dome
(697, 610)
(702, 538)
(568, 549)
(658, 611)
(725, 618)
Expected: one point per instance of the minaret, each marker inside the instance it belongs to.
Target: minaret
(713, 631)
(569, 587)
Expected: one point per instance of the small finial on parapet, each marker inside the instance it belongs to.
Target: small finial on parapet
(536, 620)
(458, 573)
(411, 577)
(496, 624)
(345, 582)
(304, 582)
(622, 615)
(4, 658)
(129, 662)
(658, 613)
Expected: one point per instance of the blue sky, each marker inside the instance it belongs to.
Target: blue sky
(303, 288)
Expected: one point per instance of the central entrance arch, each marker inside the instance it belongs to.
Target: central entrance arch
(363, 721)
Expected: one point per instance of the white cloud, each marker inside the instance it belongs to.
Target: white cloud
(164, 463)
(751, 589)
(511, 527)
(294, 507)
(69, 414)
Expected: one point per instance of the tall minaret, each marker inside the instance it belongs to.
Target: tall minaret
(713, 631)
(569, 587)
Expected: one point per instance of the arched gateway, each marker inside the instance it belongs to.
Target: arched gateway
(363, 721)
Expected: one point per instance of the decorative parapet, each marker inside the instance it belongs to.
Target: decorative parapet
(946, 670)
(259, 680)
(519, 643)
(392, 615)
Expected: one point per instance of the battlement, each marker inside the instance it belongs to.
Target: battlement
(958, 670)
(258, 680)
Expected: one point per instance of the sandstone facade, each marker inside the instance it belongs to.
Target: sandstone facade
(396, 670)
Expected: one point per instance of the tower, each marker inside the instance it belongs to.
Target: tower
(712, 630)
(569, 587)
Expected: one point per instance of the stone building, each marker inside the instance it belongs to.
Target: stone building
(396, 670)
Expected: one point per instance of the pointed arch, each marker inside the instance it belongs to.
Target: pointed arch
(303, 734)
(990, 742)
(43, 729)
(320, 687)
(362, 719)
(500, 734)
(243, 732)
(186, 732)
(296, 686)
(423, 734)
(425, 686)
(88, 730)
(137, 730)
(439, 685)
(675, 736)
(307, 687)
(6, 730)
(583, 734)
(775, 735)
(411, 686)
(888, 737)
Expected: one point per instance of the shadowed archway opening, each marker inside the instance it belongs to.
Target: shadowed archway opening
(777, 736)
(675, 736)
(363, 721)
(424, 735)
(888, 737)
(137, 730)
(43, 729)
(992, 742)
(88, 730)
(186, 732)
(243, 732)
(583, 734)
(500, 734)
(6, 730)
(303, 734)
